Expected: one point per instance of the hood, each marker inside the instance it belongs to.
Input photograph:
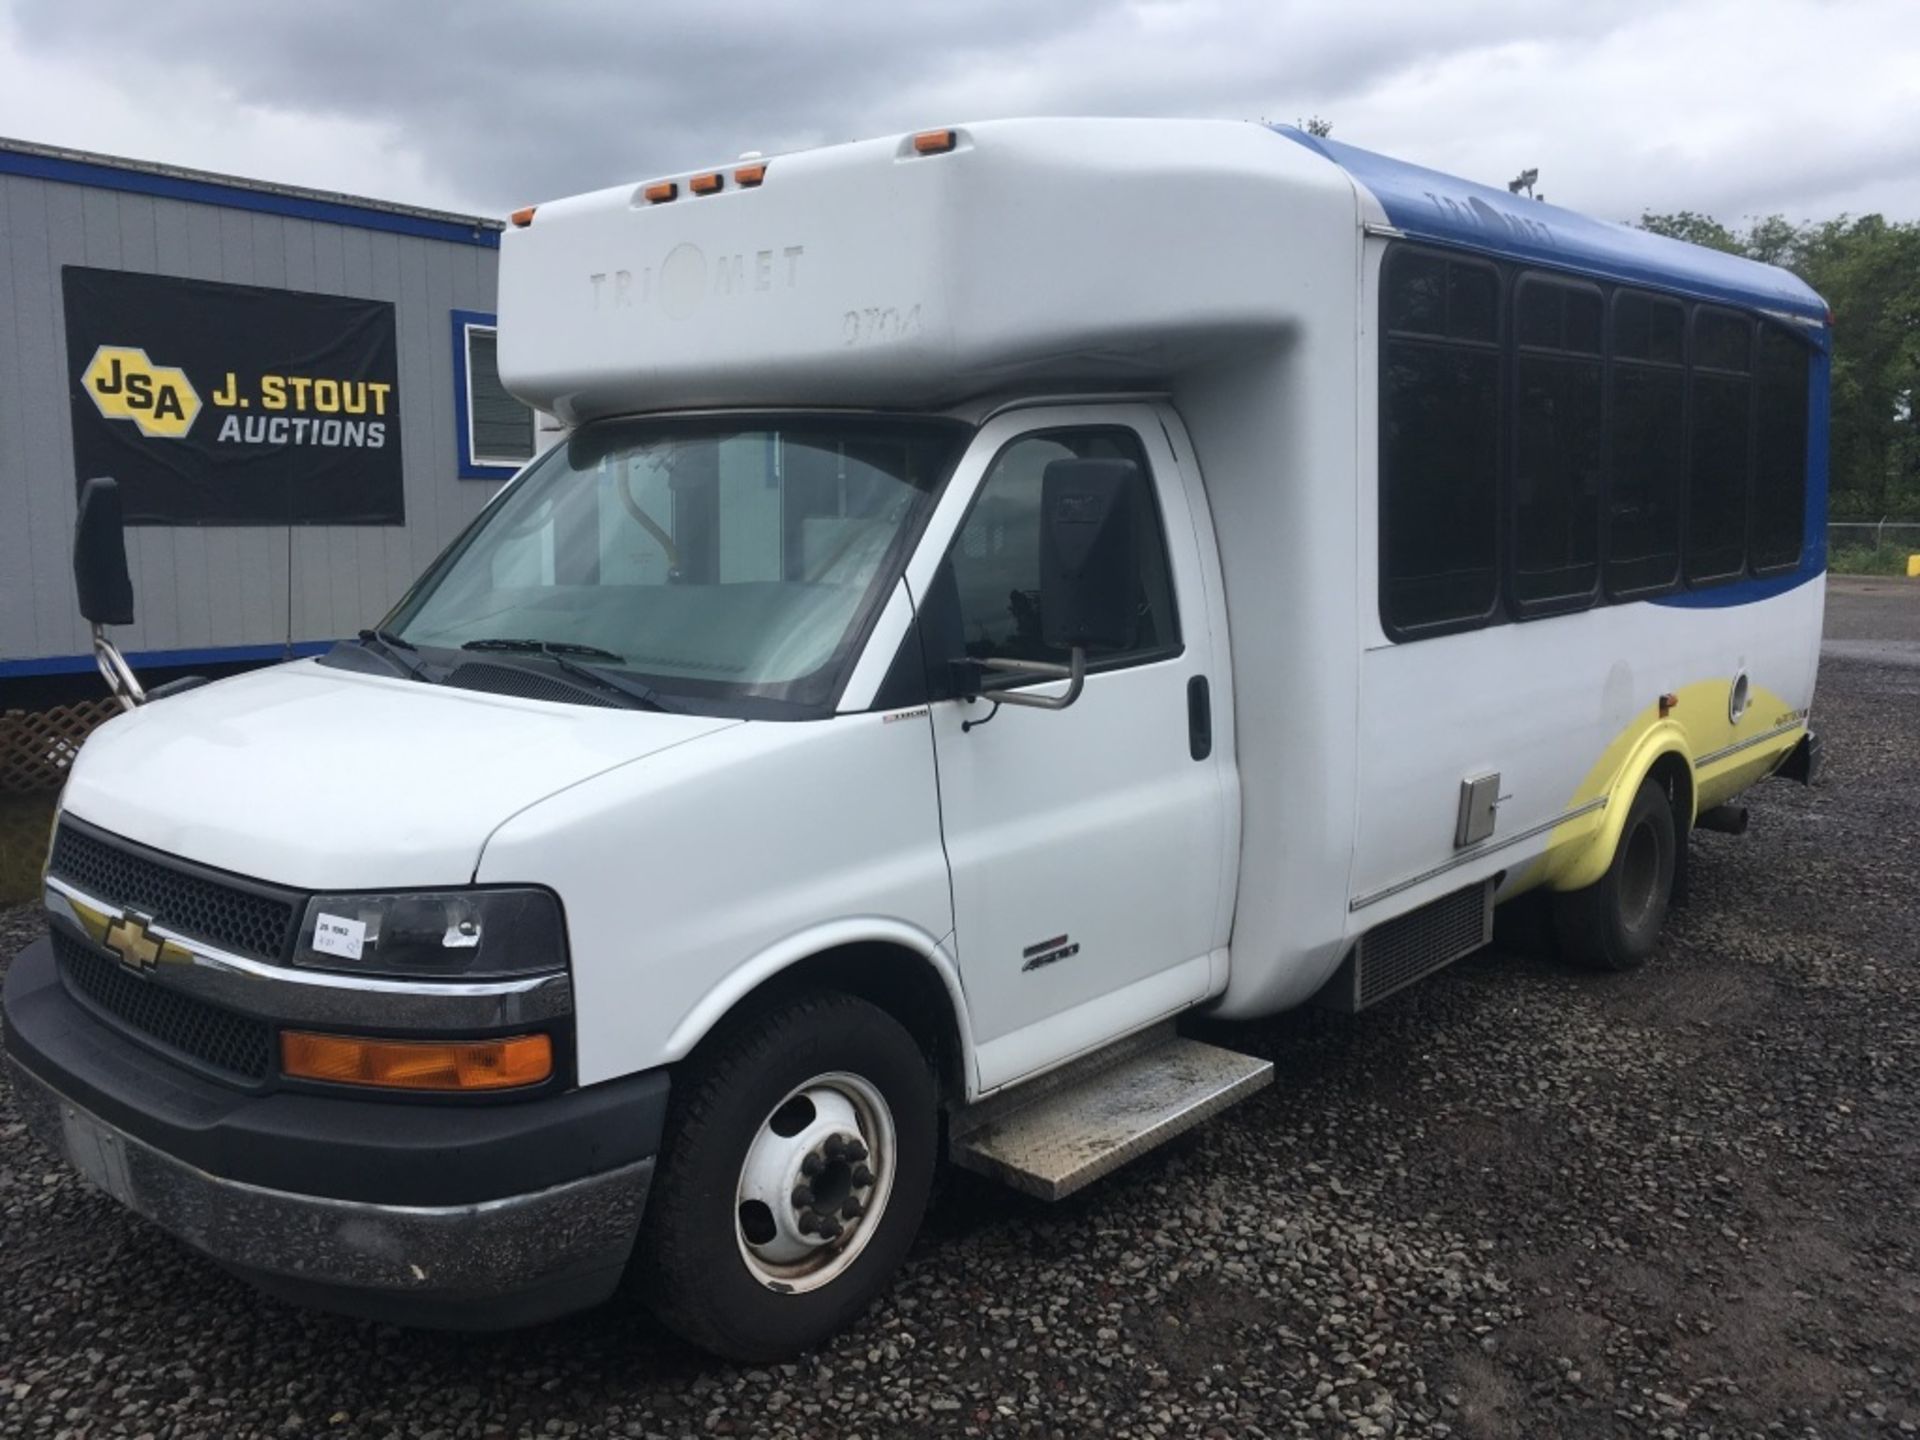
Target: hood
(320, 778)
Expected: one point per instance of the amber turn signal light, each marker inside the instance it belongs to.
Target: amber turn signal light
(707, 184)
(935, 142)
(664, 191)
(447, 1065)
(522, 217)
(749, 175)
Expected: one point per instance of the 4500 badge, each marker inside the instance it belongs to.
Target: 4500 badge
(162, 402)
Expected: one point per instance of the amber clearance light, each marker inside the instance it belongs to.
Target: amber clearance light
(418, 1064)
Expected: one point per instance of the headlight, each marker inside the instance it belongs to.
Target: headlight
(443, 935)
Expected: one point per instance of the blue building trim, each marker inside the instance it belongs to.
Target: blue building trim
(167, 659)
(470, 469)
(239, 197)
(1447, 210)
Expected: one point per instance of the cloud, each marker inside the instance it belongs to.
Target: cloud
(1733, 108)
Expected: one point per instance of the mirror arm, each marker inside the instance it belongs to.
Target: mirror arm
(1074, 673)
(115, 670)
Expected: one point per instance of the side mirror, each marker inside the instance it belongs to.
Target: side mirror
(106, 591)
(1086, 553)
(100, 556)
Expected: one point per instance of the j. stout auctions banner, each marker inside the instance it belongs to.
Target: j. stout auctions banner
(234, 405)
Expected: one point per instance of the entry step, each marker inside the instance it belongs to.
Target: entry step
(1067, 1129)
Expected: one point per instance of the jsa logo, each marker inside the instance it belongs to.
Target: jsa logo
(125, 385)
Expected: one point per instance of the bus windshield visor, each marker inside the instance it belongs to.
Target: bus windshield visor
(708, 559)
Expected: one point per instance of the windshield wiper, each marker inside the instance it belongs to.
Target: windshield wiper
(544, 647)
(394, 651)
(558, 651)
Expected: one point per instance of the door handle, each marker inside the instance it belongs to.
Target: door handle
(1199, 718)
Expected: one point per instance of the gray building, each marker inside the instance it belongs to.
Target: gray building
(292, 455)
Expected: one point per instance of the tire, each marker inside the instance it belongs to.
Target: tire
(819, 1089)
(1615, 923)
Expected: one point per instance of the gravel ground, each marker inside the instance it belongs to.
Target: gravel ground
(1519, 1199)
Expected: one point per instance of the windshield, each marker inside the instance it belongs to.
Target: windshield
(708, 558)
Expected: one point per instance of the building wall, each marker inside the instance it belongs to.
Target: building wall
(204, 589)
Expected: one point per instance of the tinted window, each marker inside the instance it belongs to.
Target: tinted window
(1439, 470)
(1721, 454)
(1557, 452)
(1722, 340)
(1439, 443)
(1780, 456)
(994, 565)
(1648, 327)
(1556, 481)
(1552, 316)
(1648, 473)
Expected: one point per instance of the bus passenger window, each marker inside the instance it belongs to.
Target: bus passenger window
(1780, 458)
(1439, 443)
(1720, 445)
(1648, 474)
(1557, 446)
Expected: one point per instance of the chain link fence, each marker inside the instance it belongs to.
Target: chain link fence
(1872, 547)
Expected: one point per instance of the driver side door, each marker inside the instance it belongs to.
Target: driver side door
(1086, 845)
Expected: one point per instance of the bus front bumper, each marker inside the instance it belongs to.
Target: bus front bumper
(409, 1213)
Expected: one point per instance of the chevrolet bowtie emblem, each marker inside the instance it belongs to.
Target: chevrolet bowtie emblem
(128, 937)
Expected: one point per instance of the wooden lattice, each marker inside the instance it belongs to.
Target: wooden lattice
(37, 746)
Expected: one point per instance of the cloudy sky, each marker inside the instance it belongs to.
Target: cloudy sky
(1743, 108)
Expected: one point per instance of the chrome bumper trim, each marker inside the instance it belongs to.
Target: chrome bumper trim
(493, 1247)
(318, 997)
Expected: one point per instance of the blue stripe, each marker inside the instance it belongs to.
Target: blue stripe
(167, 659)
(1739, 592)
(236, 197)
(1433, 206)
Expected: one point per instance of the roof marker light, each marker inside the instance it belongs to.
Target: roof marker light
(522, 217)
(708, 183)
(747, 176)
(935, 142)
(659, 194)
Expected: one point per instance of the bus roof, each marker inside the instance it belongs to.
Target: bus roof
(1448, 210)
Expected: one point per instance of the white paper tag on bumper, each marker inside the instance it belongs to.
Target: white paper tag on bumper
(337, 935)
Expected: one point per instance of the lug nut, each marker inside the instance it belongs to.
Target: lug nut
(862, 1175)
(856, 1150)
(802, 1196)
(836, 1148)
(806, 1222)
(812, 1166)
(853, 1209)
(830, 1228)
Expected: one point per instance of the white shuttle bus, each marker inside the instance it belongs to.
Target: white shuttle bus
(998, 590)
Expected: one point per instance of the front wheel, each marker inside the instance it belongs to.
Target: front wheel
(1614, 923)
(794, 1175)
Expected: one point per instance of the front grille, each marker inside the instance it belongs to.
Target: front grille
(236, 1045)
(197, 905)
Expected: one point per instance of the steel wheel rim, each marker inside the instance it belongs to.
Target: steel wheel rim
(808, 1148)
(1640, 876)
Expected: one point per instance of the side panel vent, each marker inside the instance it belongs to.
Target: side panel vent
(1392, 956)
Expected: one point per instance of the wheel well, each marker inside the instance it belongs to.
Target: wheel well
(899, 981)
(1676, 778)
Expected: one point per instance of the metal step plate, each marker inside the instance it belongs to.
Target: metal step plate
(1068, 1135)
